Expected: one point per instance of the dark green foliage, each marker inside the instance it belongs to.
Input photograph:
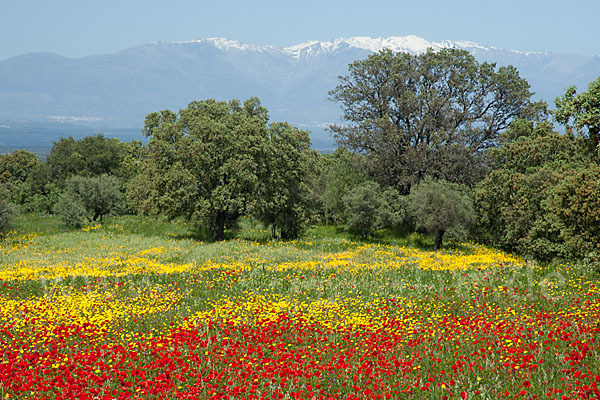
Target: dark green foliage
(581, 111)
(287, 198)
(40, 202)
(7, 210)
(91, 156)
(89, 199)
(29, 181)
(16, 170)
(342, 172)
(512, 211)
(432, 114)
(575, 203)
(368, 209)
(17, 166)
(39, 194)
(213, 162)
(515, 203)
(439, 207)
(533, 145)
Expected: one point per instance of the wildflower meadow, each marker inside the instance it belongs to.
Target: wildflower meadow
(139, 309)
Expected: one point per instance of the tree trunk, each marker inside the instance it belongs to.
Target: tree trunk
(219, 228)
(438, 239)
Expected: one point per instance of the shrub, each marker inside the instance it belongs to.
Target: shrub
(369, 209)
(70, 210)
(89, 198)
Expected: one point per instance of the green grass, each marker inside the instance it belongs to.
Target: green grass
(39, 223)
(129, 235)
(318, 237)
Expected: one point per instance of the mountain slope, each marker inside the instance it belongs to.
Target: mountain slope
(117, 90)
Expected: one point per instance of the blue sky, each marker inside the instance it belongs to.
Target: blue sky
(77, 28)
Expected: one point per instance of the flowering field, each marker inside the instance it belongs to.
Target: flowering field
(108, 313)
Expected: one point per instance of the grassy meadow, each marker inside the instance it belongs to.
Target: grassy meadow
(138, 308)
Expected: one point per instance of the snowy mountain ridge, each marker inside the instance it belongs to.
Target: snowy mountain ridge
(406, 44)
(410, 44)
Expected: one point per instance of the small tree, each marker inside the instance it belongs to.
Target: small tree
(16, 170)
(7, 210)
(70, 210)
(341, 174)
(439, 206)
(17, 166)
(91, 156)
(89, 198)
(369, 209)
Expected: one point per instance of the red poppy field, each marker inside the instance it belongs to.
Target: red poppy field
(106, 314)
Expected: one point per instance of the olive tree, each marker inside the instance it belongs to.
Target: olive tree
(438, 206)
(368, 209)
(89, 199)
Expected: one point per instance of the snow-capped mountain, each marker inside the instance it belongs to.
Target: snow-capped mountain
(117, 90)
(408, 44)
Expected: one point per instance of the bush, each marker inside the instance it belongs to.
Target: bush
(70, 210)
(40, 202)
(89, 198)
(369, 209)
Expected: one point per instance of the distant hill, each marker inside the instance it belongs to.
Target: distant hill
(42, 94)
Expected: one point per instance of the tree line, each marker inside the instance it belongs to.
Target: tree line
(436, 142)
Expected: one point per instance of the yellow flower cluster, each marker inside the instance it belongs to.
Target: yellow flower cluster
(254, 307)
(16, 242)
(400, 315)
(91, 228)
(384, 257)
(103, 307)
(367, 257)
